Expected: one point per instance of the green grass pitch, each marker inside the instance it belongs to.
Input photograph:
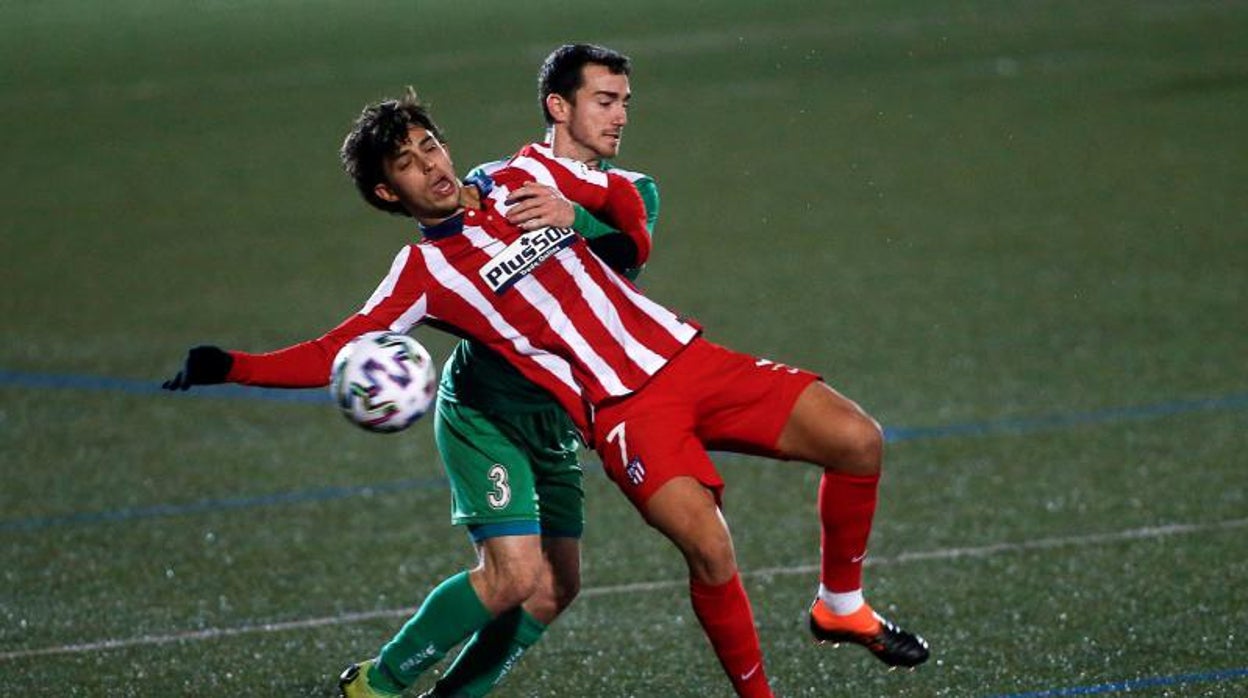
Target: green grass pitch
(1017, 228)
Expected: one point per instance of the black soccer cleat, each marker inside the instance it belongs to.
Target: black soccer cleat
(890, 644)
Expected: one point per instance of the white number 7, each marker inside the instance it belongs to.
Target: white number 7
(618, 433)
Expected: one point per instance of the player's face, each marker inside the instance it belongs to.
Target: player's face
(421, 177)
(597, 115)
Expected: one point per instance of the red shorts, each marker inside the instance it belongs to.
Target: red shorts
(708, 397)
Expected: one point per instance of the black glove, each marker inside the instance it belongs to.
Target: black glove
(205, 365)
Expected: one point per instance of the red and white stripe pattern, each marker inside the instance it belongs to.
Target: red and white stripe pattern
(562, 317)
(571, 325)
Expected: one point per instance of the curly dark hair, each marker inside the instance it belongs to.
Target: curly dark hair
(378, 133)
(561, 71)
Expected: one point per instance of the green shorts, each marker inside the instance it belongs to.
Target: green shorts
(511, 473)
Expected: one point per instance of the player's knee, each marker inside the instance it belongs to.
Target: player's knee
(869, 439)
(552, 598)
(565, 592)
(861, 447)
(512, 584)
(711, 559)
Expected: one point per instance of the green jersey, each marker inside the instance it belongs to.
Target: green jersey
(477, 377)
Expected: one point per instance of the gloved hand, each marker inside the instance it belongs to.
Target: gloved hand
(205, 365)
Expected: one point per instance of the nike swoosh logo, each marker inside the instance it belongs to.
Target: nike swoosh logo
(746, 676)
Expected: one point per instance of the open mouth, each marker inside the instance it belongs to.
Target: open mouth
(444, 186)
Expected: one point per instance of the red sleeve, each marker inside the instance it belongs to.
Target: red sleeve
(303, 365)
(616, 201)
(626, 209)
(392, 307)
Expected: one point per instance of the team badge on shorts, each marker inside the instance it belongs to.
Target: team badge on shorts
(635, 471)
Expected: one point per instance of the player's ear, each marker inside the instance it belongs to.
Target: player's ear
(385, 193)
(559, 108)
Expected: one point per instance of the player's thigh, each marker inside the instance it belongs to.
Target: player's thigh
(826, 428)
(490, 476)
(643, 449)
(743, 401)
(688, 514)
(553, 445)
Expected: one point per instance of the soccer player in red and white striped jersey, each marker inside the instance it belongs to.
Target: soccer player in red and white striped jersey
(646, 390)
(540, 298)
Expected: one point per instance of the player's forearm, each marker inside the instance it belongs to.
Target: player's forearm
(302, 365)
(627, 211)
(589, 226)
(605, 240)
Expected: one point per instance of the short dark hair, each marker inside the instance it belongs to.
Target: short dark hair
(560, 73)
(378, 133)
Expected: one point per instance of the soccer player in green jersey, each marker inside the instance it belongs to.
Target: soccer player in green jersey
(509, 449)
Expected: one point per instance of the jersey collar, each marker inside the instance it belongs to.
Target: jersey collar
(451, 226)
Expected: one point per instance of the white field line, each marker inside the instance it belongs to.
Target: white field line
(1146, 533)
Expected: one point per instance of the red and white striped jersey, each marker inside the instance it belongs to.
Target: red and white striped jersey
(541, 299)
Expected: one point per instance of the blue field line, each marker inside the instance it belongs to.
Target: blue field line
(1237, 401)
(131, 386)
(155, 511)
(1135, 684)
(1072, 419)
(316, 396)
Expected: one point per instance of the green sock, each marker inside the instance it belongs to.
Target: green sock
(449, 614)
(490, 654)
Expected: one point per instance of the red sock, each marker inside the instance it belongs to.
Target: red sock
(726, 618)
(846, 509)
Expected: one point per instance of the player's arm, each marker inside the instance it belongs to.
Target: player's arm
(604, 239)
(307, 364)
(620, 204)
(605, 194)
(302, 365)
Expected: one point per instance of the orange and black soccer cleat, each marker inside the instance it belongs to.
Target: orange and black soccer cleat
(890, 644)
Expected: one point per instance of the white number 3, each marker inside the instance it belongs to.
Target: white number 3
(501, 494)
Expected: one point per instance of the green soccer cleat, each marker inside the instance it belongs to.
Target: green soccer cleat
(353, 683)
(890, 644)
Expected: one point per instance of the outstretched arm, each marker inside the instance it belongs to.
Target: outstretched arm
(302, 365)
(396, 305)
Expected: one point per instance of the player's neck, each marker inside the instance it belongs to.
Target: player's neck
(564, 146)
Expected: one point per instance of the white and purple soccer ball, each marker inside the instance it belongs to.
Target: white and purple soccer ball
(383, 381)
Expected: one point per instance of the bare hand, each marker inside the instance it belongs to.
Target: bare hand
(536, 206)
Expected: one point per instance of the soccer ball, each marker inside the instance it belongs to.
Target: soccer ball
(383, 381)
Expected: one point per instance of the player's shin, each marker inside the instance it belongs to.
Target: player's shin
(450, 613)
(728, 621)
(846, 511)
(490, 655)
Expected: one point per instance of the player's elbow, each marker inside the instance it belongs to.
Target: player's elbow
(620, 252)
